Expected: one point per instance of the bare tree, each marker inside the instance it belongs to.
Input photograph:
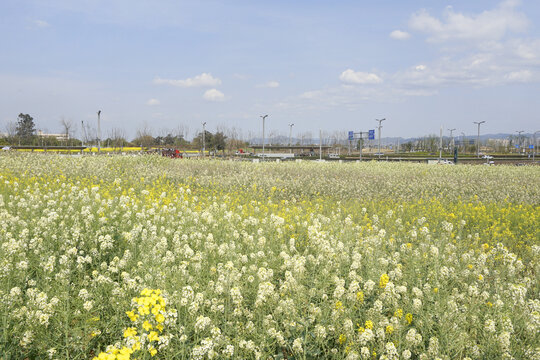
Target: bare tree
(67, 129)
(118, 137)
(11, 129)
(181, 131)
(144, 136)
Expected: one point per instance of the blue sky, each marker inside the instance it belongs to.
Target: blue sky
(331, 65)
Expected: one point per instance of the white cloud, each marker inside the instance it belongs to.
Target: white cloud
(311, 94)
(153, 102)
(270, 84)
(420, 67)
(519, 76)
(41, 23)
(489, 25)
(213, 95)
(400, 35)
(357, 77)
(203, 80)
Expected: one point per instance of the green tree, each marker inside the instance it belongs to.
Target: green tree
(25, 128)
(218, 141)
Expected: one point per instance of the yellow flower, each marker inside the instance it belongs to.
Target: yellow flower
(130, 331)
(132, 315)
(339, 305)
(409, 318)
(152, 351)
(383, 281)
(398, 313)
(160, 318)
(389, 329)
(153, 336)
(147, 326)
(342, 338)
(369, 324)
(360, 296)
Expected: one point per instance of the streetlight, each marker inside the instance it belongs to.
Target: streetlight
(452, 136)
(263, 117)
(380, 126)
(478, 138)
(203, 139)
(534, 145)
(99, 130)
(519, 138)
(290, 136)
(463, 141)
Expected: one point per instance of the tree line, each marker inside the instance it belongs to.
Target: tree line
(23, 132)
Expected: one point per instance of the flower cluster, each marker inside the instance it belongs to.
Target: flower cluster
(149, 318)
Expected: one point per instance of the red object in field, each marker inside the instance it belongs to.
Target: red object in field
(241, 151)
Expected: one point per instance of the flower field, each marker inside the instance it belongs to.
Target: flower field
(154, 258)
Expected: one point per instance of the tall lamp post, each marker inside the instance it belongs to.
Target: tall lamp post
(519, 138)
(263, 117)
(379, 127)
(99, 130)
(452, 136)
(290, 136)
(203, 137)
(478, 138)
(534, 145)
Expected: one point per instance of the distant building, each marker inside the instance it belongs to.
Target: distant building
(59, 137)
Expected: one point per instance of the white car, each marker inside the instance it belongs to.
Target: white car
(487, 157)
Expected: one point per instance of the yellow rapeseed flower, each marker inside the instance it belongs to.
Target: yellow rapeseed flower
(383, 281)
(369, 324)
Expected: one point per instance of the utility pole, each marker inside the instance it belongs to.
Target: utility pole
(478, 138)
(452, 136)
(290, 136)
(263, 118)
(99, 130)
(380, 126)
(463, 141)
(203, 137)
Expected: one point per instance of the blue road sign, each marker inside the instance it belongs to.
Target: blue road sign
(517, 146)
(371, 135)
(351, 135)
(531, 146)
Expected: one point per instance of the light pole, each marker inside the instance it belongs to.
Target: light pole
(203, 137)
(320, 144)
(534, 145)
(452, 136)
(99, 130)
(263, 118)
(290, 136)
(380, 126)
(463, 141)
(478, 138)
(519, 138)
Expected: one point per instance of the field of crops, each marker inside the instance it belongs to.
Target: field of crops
(154, 258)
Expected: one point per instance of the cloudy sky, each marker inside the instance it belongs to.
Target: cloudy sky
(334, 65)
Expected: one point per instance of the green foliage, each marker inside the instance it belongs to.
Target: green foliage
(25, 128)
